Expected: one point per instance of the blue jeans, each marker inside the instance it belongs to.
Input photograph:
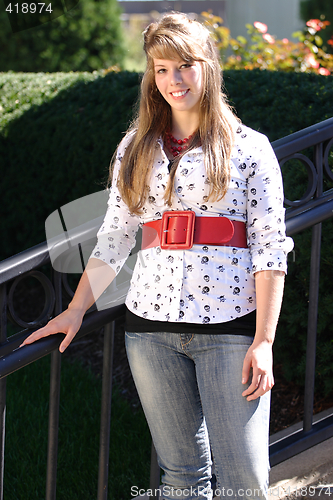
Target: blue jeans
(191, 392)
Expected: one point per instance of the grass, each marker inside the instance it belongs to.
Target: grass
(26, 437)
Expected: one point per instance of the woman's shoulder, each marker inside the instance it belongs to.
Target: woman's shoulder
(126, 140)
(249, 143)
(251, 149)
(252, 136)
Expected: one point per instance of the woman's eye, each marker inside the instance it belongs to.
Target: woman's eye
(186, 65)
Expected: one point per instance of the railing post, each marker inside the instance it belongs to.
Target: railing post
(3, 388)
(155, 472)
(52, 445)
(104, 447)
(310, 369)
(312, 328)
(3, 385)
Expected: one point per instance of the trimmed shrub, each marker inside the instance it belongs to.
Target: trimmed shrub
(278, 103)
(57, 138)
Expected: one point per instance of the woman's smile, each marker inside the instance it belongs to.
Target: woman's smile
(180, 83)
(180, 93)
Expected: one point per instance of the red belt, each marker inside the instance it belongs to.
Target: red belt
(179, 230)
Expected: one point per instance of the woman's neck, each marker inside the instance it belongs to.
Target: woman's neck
(183, 125)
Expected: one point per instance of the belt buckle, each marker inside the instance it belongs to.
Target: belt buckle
(189, 236)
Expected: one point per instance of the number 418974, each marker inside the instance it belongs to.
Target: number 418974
(29, 8)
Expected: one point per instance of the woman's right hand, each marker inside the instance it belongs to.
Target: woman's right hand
(95, 279)
(68, 322)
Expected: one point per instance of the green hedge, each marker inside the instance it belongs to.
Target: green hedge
(57, 135)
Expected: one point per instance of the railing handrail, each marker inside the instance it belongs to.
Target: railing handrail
(39, 255)
(308, 218)
(303, 139)
(24, 261)
(13, 358)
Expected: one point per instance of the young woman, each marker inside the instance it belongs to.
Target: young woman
(206, 291)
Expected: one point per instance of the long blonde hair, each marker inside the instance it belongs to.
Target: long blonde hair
(176, 36)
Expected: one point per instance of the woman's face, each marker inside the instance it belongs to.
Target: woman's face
(180, 83)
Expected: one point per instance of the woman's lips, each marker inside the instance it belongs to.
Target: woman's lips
(179, 93)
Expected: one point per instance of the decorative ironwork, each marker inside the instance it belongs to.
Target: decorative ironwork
(48, 303)
(312, 179)
(66, 285)
(327, 150)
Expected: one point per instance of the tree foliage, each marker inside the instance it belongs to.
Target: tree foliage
(86, 38)
(316, 9)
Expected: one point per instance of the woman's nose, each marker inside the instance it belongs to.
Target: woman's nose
(176, 77)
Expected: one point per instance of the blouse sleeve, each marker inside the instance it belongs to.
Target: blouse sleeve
(116, 236)
(267, 239)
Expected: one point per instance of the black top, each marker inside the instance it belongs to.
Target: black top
(245, 325)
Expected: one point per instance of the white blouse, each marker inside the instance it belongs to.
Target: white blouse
(205, 284)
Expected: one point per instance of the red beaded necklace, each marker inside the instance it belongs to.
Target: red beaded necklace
(176, 146)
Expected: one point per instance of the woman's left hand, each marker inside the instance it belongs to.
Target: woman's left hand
(259, 357)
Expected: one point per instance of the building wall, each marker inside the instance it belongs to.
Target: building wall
(187, 6)
(281, 16)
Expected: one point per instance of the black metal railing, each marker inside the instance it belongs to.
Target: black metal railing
(310, 211)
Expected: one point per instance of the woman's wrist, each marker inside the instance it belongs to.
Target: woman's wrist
(265, 334)
(77, 308)
(260, 339)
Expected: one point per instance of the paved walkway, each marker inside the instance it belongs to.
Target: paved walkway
(306, 476)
